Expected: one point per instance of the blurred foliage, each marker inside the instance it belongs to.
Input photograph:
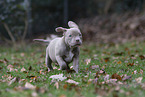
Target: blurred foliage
(48, 14)
(13, 14)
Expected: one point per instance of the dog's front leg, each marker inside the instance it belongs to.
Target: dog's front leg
(61, 62)
(76, 63)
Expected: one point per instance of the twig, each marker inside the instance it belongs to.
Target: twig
(25, 30)
(10, 33)
(8, 41)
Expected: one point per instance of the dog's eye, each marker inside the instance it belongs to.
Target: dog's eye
(80, 34)
(69, 35)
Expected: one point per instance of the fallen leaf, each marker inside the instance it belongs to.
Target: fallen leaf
(1, 68)
(58, 77)
(10, 66)
(30, 86)
(40, 90)
(71, 67)
(130, 64)
(1, 61)
(106, 77)
(72, 82)
(126, 78)
(118, 54)
(112, 80)
(141, 71)
(120, 83)
(32, 76)
(54, 67)
(101, 71)
(117, 88)
(94, 66)
(135, 72)
(138, 80)
(95, 81)
(70, 71)
(6, 60)
(107, 59)
(62, 95)
(90, 81)
(116, 76)
(34, 94)
(30, 68)
(56, 85)
(23, 69)
(142, 57)
(12, 81)
(22, 54)
(65, 86)
(119, 62)
(101, 92)
(88, 61)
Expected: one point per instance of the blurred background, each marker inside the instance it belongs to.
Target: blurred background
(101, 21)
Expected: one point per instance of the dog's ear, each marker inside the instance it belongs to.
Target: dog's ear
(60, 29)
(71, 24)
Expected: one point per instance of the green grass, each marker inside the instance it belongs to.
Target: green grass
(112, 58)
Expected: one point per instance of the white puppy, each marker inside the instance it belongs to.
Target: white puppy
(64, 50)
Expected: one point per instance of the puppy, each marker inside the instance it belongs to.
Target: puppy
(64, 50)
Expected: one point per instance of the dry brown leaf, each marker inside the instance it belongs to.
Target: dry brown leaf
(30, 68)
(40, 90)
(65, 86)
(130, 64)
(62, 95)
(118, 54)
(119, 62)
(107, 59)
(142, 57)
(6, 60)
(116, 76)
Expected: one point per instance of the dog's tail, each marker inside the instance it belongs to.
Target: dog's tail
(46, 42)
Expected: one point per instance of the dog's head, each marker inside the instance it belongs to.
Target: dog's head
(73, 36)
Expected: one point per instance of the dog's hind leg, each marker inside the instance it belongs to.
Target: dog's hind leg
(48, 61)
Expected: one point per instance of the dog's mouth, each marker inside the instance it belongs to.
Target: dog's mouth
(78, 44)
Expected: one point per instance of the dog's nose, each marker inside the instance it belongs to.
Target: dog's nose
(77, 40)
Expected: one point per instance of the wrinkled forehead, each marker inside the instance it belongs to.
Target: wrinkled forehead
(73, 31)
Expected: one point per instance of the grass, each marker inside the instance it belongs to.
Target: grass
(105, 59)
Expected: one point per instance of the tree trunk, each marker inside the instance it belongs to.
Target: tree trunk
(107, 6)
(29, 18)
(65, 12)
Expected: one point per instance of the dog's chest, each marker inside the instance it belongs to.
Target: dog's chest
(68, 56)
